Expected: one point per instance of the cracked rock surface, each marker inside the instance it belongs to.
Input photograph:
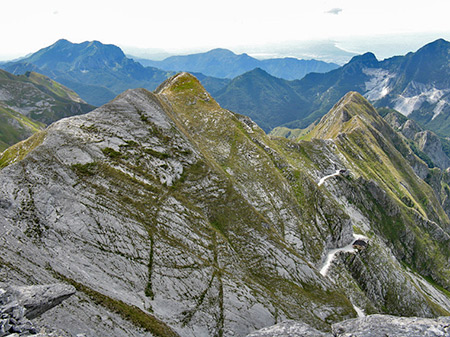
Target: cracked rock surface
(19, 304)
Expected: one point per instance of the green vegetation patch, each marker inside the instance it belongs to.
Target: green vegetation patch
(15, 127)
(156, 154)
(48, 85)
(287, 133)
(184, 85)
(422, 155)
(20, 150)
(88, 169)
(111, 153)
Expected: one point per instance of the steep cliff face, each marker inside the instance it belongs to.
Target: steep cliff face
(425, 141)
(430, 148)
(172, 216)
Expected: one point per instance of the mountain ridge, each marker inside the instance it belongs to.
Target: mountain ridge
(170, 204)
(223, 227)
(29, 102)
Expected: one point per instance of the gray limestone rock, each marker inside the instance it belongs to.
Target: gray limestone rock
(38, 299)
(19, 304)
(390, 326)
(132, 204)
(186, 216)
(369, 326)
(289, 329)
(430, 144)
(410, 129)
(427, 142)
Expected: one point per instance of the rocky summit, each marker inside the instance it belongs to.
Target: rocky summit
(172, 216)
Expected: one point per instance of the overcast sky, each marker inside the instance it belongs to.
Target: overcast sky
(180, 25)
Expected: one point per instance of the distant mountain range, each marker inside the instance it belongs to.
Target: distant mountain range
(417, 85)
(96, 71)
(223, 63)
(28, 102)
(99, 72)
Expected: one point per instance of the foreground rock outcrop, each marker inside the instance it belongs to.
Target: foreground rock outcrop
(20, 304)
(289, 329)
(384, 325)
(370, 326)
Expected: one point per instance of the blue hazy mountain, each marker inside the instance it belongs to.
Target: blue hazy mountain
(97, 72)
(223, 63)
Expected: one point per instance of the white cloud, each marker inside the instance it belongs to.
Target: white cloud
(334, 11)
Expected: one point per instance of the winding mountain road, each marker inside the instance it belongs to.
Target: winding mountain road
(332, 253)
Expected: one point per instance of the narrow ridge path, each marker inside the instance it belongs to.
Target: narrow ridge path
(322, 180)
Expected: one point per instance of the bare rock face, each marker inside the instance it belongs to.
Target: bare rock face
(427, 142)
(385, 325)
(289, 329)
(430, 144)
(168, 206)
(370, 326)
(19, 304)
(410, 129)
(38, 299)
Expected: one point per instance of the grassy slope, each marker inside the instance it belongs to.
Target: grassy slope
(56, 89)
(284, 132)
(45, 99)
(15, 127)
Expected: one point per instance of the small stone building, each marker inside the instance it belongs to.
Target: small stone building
(359, 244)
